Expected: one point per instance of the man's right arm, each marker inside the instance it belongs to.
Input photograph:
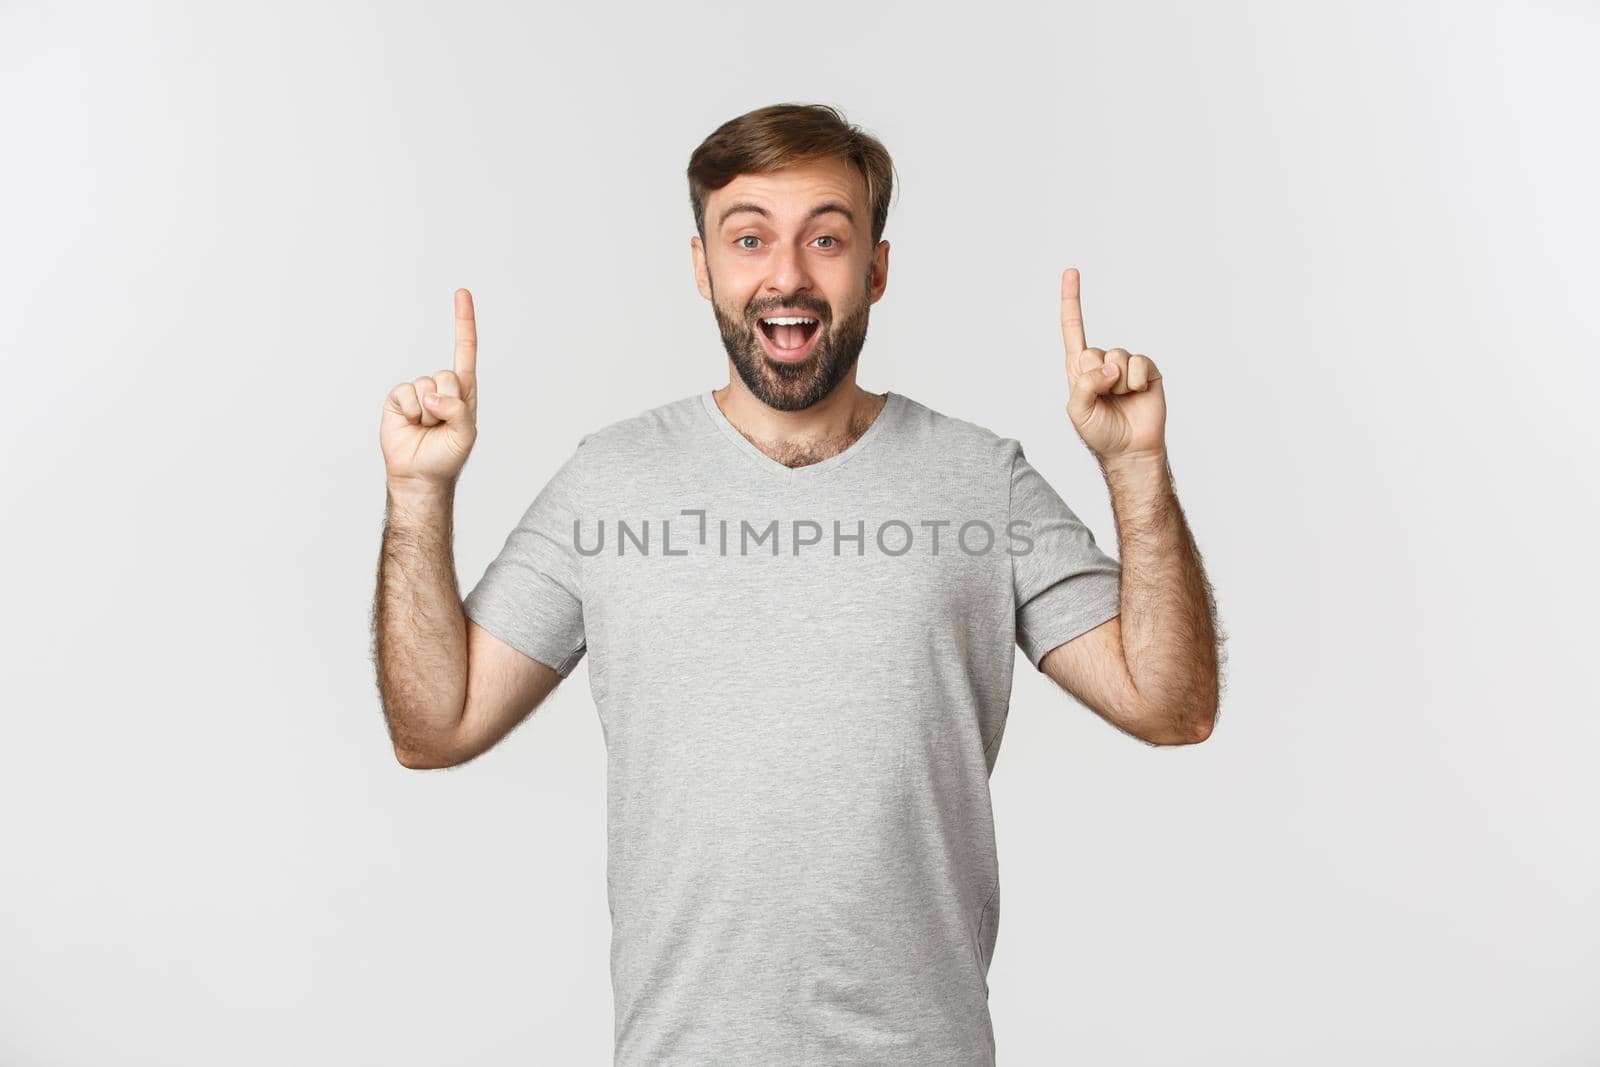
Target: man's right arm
(451, 690)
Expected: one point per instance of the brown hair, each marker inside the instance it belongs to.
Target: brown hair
(785, 135)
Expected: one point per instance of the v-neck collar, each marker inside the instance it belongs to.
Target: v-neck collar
(892, 404)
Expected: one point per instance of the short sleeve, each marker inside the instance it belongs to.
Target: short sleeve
(530, 595)
(1064, 584)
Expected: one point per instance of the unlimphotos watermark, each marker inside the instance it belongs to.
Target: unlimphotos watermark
(891, 537)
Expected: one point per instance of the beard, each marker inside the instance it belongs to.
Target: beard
(795, 386)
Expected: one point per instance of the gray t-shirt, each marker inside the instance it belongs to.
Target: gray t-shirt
(802, 676)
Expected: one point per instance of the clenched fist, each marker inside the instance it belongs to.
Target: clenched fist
(430, 423)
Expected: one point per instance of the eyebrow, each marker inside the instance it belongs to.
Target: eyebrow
(820, 209)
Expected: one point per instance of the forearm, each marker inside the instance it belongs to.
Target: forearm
(1168, 616)
(420, 639)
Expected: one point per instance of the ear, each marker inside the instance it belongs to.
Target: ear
(880, 271)
(697, 253)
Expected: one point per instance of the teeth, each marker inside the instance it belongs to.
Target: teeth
(792, 320)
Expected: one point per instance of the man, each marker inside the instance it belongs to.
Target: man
(800, 602)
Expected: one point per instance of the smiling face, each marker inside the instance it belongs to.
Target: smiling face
(792, 244)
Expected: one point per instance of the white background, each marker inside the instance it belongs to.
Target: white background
(1359, 241)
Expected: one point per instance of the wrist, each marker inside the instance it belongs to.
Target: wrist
(413, 492)
(1151, 464)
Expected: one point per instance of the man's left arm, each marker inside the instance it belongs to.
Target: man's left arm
(1153, 670)
(1164, 639)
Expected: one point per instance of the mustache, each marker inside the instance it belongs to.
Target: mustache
(821, 314)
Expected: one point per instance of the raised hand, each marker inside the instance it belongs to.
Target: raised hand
(430, 423)
(1115, 400)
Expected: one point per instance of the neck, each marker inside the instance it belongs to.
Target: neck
(800, 438)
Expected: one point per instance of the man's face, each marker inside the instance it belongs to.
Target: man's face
(770, 252)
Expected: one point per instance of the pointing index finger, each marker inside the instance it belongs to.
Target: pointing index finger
(466, 358)
(1071, 320)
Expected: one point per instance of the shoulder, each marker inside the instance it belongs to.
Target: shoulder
(652, 432)
(938, 433)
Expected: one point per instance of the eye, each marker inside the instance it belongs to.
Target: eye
(748, 237)
(825, 237)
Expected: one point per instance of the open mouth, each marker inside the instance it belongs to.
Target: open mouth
(789, 338)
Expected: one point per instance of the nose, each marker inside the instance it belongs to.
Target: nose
(789, 275)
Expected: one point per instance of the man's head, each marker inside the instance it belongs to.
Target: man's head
(789, 203)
